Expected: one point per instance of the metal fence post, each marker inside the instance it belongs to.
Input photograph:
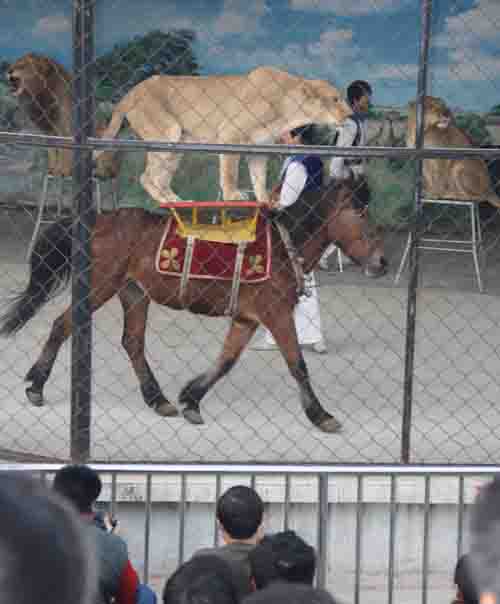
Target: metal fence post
(411, 310)
(323, 522)
(84, 214)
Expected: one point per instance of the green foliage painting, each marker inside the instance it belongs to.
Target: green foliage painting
(132, 62)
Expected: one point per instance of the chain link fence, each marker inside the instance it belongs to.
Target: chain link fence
(411, 368)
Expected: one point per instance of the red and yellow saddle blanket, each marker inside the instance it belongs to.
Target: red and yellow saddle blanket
(211, 260)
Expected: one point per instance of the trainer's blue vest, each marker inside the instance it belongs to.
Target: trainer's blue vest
(314, 169)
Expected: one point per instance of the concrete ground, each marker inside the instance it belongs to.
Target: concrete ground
(254, 413)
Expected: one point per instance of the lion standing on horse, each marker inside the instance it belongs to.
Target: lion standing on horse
(255, 108)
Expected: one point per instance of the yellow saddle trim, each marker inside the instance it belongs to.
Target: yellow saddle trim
(229, 230)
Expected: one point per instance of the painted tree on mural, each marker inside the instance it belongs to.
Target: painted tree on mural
(132, 62)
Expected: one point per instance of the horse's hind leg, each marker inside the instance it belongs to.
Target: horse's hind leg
(40, 372)
(240, 333)
(60, 332)
(285, 335)
(135, 308)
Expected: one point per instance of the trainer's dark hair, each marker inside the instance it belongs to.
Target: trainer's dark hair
(45, 554)
(204, 579)
(282, 557)
(240, 511)
(306, 133)
(80, 484)
(290, 593)
(357, 89)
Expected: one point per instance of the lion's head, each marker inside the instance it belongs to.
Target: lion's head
(43, 88)
(436, 115)
(323, 103)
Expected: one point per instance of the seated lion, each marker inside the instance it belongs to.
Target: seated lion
(253, 108)
(458, 179)
(43, 89)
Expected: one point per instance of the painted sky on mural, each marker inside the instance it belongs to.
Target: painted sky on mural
(339, 40)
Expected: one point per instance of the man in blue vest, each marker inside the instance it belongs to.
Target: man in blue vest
(300, 173)
(352, 133)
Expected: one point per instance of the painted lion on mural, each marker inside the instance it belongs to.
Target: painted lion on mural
(460, 179)
(43, 89)
(253, 108)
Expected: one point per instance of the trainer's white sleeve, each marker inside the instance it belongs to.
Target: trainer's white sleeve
(347, 134)
(295, 180)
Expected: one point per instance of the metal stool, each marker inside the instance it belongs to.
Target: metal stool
(43, 218)
(468, 246)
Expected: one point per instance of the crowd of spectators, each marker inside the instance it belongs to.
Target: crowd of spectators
(55, 547)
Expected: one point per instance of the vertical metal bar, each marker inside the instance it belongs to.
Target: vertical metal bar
(217, 495)
(84, 210)
(411, 310)
(322, 572)
(425, 553)
(252, 481)
(357, 552)
(113, 494)
(286, 511)
(392, 540)
(147, 527)
(182, 518)
(460, 516)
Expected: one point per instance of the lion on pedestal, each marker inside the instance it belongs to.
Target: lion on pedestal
(253, 108)
(457, 179)
(43, 89)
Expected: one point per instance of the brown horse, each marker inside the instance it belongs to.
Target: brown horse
(124, 245)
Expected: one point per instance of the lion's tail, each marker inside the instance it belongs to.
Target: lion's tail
(115, 124)
(493, 199)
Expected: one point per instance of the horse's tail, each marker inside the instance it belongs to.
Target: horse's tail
(50, 268)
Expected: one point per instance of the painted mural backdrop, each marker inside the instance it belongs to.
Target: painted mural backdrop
(338, 40)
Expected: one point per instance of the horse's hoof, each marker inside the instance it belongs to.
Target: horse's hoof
(35, 397)
(166, 409)
(193, 416)
(330, 425)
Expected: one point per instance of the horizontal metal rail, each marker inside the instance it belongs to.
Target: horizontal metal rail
(228, 468)
(101, 144)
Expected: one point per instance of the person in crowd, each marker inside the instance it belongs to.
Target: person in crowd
(300, 173)
(290, 593)
(202, 580)
(352, 133)
(283, 556)
(240, 512)
(466, 591)
(118, 580)
(484, 552)
(45, 553)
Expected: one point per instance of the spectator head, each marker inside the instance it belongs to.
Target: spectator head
(239, 512)
(484, 552)
(44, 552)
(204, 579)
(463, 579)
(282, 557)
(355, 93)
(289, 593)
(80, 484)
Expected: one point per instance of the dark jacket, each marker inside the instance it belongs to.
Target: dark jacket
(236, 555)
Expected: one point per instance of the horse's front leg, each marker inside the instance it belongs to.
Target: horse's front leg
(240, 333)
(135, 308)
(40, 372)
(282, 326)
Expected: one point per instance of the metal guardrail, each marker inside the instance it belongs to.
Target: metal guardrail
(321, 499)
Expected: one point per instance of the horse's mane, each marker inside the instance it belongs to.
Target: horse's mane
(304, 218)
